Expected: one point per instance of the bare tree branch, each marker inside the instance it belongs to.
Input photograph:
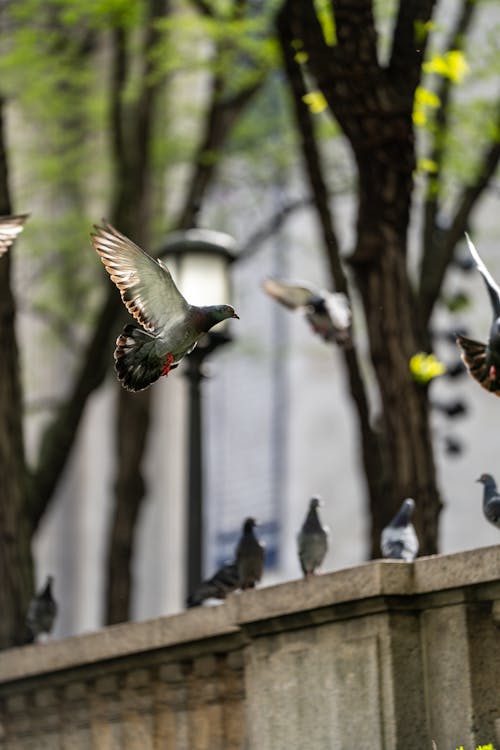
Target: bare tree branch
(407, 50)
(447, 239)
(435, 251)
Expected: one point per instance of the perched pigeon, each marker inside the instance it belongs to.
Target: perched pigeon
(491, 499)
(312, 540)
(224, 581)
(483, 360)
(10, 227)
(41, 611)
(249, 556)
(170, 325)
(327, 313)
(399, 540)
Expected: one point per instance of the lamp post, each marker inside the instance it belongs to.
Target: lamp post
(199, 261)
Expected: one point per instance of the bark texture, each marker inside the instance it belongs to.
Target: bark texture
(16, 567)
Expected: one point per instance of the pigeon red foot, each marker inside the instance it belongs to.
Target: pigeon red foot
(169, 360)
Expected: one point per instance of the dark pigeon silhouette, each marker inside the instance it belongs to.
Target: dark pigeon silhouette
(171, 326)
(42, 612)
(491, 499)
(312, 540)
(223, 582)
(328, 313)
(249, 556)
(483, 360)
(10, 227)
(398, 540)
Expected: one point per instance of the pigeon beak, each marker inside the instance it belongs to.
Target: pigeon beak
(235, 315)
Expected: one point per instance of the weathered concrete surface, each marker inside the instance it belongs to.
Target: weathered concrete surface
(385, 655)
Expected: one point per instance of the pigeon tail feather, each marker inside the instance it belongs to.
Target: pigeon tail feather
(137, 362)
(474, 356)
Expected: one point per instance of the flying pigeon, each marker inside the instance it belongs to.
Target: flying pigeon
(10, 227)
(170, 325)
(42, 611)
(312, 540)
(249, 556)
(483, 360)
(223, 582)
(399, 540)
(491, 499)
(328, 313)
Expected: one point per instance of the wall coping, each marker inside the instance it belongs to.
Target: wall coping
(372, 580)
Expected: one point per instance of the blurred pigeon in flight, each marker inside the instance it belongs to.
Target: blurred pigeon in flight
(10, 227)
(483, 360)
(249, 556)
(328, 313)
(41, 612)
(223, 582)
(170, 325)
(312, 540)
(491, 499)
(399, 540)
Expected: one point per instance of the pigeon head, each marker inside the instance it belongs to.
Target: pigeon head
(404, 514)
(487, 480)
(315, 503)
(249, 525)
(48, 584)
(214, 314)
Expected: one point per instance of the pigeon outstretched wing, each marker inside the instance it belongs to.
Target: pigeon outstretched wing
(10, 227)
(293, 296)
(491, 285)
(146, 285)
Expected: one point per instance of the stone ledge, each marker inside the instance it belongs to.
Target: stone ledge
(376, 579)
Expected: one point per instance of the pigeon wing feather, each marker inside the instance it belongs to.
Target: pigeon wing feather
(292, 296)
(492, 510)
(10, 227)
(491, 285)
(146, 286)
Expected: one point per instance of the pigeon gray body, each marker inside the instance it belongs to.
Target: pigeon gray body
(42, 611)
(398, 540)
(328, 313)
(223, 582)
(483, 360)
(10, 227)
(312, 540)
(249, 556)
(171, 326)
(491, 499)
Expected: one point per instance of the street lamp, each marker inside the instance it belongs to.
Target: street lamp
(199, 261)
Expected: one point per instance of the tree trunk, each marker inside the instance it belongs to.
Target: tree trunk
(373, 106)
(133, 410)
(16, 565)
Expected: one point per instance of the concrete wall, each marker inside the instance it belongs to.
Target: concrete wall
(384, 656)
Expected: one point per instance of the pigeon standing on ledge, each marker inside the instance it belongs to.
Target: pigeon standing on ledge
(312, 540)
(222, 583)
(42, 612)
(328, 313)
(398, 540)
(483, 360)
(10, 227)
(491, 499)
(249, 556)
(171, 326)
